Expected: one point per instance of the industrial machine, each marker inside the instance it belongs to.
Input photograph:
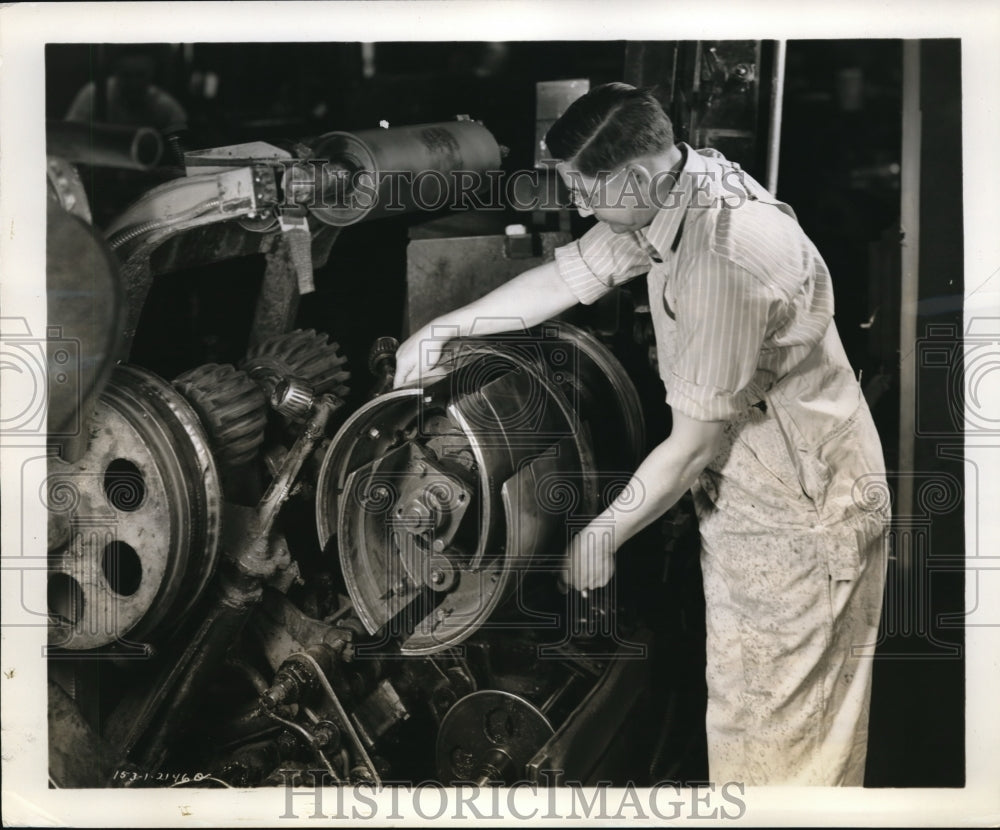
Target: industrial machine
(254, 582)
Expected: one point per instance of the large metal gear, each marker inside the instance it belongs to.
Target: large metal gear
(304, 355)
(231, 406)
(135, 522)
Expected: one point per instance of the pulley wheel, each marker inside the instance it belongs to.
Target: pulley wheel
(135, 522)
(489, 735)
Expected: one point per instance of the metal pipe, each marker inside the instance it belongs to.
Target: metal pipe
(909, 217)
(342, 715)
(104, 145)
(257, 679)
(774, 116)
(127, 234)
(309, 739)
(493, 768)
(249, 723)
(281, 484)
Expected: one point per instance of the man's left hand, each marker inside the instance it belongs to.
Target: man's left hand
(591, 558)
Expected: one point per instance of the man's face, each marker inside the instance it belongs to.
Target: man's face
(620, 198)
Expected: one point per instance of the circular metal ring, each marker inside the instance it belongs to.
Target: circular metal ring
(486, 727)
(145, 529)
(517, 419)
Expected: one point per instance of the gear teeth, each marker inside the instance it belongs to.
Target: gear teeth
(384, 348)
(231, 406)
(304, 354)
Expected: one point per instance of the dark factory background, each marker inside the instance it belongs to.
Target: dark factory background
(841, 155)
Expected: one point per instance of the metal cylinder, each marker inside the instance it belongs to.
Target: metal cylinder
(374, 173)
(104, 145)
(293, 398)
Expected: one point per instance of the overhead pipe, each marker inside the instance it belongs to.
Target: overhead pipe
(774, 117)
(104, 145)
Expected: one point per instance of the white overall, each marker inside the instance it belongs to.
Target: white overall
(793, 583)
(793, 515)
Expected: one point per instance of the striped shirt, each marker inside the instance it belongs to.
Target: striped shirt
(742, 308)
(738, 294)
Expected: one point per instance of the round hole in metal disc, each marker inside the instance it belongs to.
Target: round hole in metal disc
(122, 568)
(124, 485)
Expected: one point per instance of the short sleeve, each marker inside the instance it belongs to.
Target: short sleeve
(723, 316)
(600, 260)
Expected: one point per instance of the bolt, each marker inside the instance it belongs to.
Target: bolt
(374, 433)
(439, 545)
(326, 734)
(437, 577)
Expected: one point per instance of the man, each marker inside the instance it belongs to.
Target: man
(131, 98)
(770, 431)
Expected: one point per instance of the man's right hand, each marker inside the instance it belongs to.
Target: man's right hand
(528, 299)
(408, 360)
(418, 359)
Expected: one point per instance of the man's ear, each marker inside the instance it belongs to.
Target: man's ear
(639, 173)
(637, 183)
(572, 177)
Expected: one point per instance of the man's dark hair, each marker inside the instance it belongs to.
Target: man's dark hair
(610, 125)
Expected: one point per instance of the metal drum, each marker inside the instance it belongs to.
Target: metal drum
(372, 173)
(440, 499)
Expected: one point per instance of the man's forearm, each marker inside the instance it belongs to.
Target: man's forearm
(664, 476)
(528, 299)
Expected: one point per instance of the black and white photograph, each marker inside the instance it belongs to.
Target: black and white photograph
(445, 412)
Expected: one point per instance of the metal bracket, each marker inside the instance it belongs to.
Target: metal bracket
(295, 226)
